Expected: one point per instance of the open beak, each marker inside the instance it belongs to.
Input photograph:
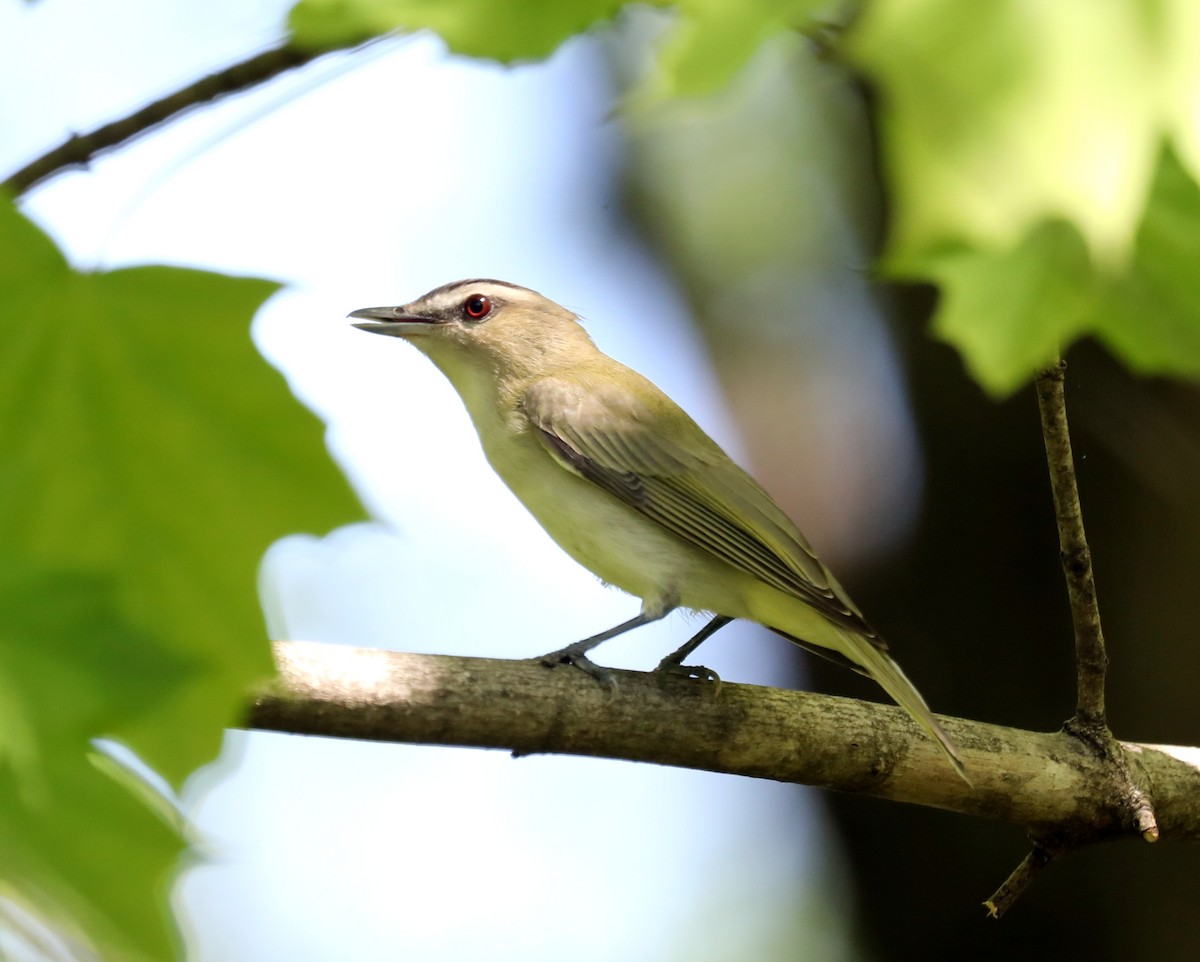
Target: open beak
(395, 321)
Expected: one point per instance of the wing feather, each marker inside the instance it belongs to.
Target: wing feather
(682, 481)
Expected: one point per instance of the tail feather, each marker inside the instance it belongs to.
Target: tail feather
(878, 665)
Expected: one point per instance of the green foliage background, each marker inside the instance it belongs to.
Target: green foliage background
(1041, 161)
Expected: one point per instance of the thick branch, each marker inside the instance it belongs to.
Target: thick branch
(1051, 783)
(1091, 661)
(80, 149)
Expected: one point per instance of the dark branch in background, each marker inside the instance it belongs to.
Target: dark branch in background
(1051, 782)
(1090, 723)
(80, 149)
(1020, 878)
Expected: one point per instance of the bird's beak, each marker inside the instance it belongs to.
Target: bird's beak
(395, 321)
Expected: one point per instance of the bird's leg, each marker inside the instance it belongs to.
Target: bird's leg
(576, 654)
(673, 663)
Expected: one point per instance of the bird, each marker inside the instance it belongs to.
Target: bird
(632, 488)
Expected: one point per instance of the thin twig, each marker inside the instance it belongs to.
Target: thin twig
(1091, 661)
(80, 149)
(1020, 879)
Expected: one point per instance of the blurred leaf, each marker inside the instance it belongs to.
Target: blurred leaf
(711, 40)
(504, 30)
(70, 667)
(1180, 66)
(1022, 142)
(1150, 316)
(999, 116)
(150, 457)
(1011, 312)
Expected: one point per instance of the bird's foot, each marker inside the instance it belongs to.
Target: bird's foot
(576, 656)
(672, 666)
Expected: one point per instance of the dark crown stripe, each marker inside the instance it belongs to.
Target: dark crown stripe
(455, 285)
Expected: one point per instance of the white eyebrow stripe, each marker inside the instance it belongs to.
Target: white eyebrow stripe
(449, 296)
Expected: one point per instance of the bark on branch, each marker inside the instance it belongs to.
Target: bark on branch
(1050, 782)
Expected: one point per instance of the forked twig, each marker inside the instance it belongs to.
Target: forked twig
(1090, 722)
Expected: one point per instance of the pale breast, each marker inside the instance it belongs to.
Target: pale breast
(609, 537)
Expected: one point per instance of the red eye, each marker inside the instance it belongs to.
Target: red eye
(477, 306)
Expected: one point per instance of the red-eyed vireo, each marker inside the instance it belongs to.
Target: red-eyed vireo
(629, 485)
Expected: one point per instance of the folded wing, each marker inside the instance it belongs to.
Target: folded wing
(683, 481)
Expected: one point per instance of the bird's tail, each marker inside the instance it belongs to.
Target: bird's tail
(877, 664)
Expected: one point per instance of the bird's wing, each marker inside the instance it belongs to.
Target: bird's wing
(683, 481)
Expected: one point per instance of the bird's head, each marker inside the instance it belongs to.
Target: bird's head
(484, 325)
